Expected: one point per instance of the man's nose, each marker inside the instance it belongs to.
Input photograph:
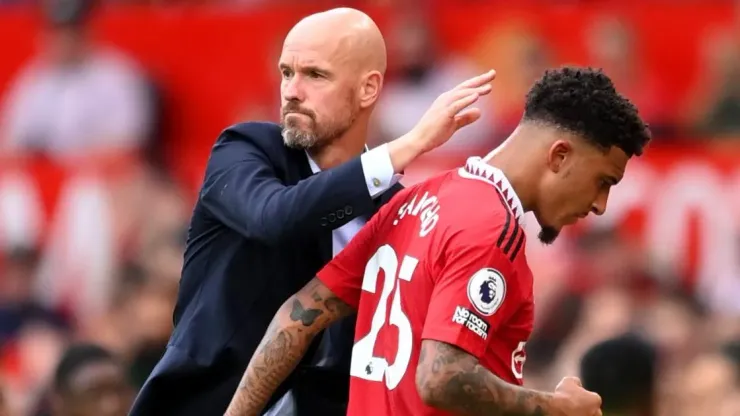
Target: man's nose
(292, 89)
(599, 205)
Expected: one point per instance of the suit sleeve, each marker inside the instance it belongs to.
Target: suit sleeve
(242, 190)
(344, 274)
(474, 293)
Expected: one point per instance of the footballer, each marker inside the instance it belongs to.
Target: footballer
(439, 277)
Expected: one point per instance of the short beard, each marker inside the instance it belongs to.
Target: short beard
(297, 139)
(548, 235)
(303, 140)
(319, 136)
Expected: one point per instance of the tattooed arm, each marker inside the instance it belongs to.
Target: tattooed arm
(289, 335)
(449, 378)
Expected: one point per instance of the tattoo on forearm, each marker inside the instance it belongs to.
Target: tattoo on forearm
(306, 316)
(455, 381)
(286, 341)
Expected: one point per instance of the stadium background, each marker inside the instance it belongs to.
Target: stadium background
(91, 233)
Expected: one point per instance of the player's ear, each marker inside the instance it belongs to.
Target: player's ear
(370, 86)
(559, 154)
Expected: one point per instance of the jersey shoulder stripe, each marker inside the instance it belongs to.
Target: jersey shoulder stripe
(512, 235)
(517, 247)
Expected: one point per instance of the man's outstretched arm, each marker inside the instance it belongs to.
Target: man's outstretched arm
(289, 335)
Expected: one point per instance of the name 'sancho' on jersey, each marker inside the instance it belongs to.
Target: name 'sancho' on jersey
(426, 208)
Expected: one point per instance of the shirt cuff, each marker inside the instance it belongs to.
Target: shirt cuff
(378, 170)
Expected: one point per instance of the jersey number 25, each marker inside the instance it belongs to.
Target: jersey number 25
(364, 364)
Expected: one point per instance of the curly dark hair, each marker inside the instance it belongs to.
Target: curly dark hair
(584, 101)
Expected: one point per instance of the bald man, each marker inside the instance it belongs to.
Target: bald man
(277, 203)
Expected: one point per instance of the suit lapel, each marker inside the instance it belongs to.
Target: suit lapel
(298, 158)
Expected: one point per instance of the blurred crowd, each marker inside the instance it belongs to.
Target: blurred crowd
(112, 282)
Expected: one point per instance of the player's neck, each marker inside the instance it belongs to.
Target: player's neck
(341, 150)
(512, 162)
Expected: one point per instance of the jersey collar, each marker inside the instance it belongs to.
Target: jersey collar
(476, 168)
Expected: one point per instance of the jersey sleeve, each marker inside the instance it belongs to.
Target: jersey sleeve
(475, 291)
(343, 274)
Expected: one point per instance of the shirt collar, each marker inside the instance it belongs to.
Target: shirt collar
(476, 168)
(314, 167)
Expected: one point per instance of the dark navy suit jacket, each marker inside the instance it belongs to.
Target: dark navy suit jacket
(260, 230)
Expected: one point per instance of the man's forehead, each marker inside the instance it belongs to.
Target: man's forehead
(614, 161)
(313, 45)
(617, 159)
(302, 57)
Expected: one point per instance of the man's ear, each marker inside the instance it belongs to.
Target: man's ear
(559, 154)
(370, 88)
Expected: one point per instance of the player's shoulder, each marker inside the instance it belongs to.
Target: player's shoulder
(486, 221)
(475, 202)
(412, 211)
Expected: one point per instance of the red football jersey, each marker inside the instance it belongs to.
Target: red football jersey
(444, 260)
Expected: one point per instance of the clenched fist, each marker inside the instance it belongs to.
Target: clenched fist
(571, 399)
